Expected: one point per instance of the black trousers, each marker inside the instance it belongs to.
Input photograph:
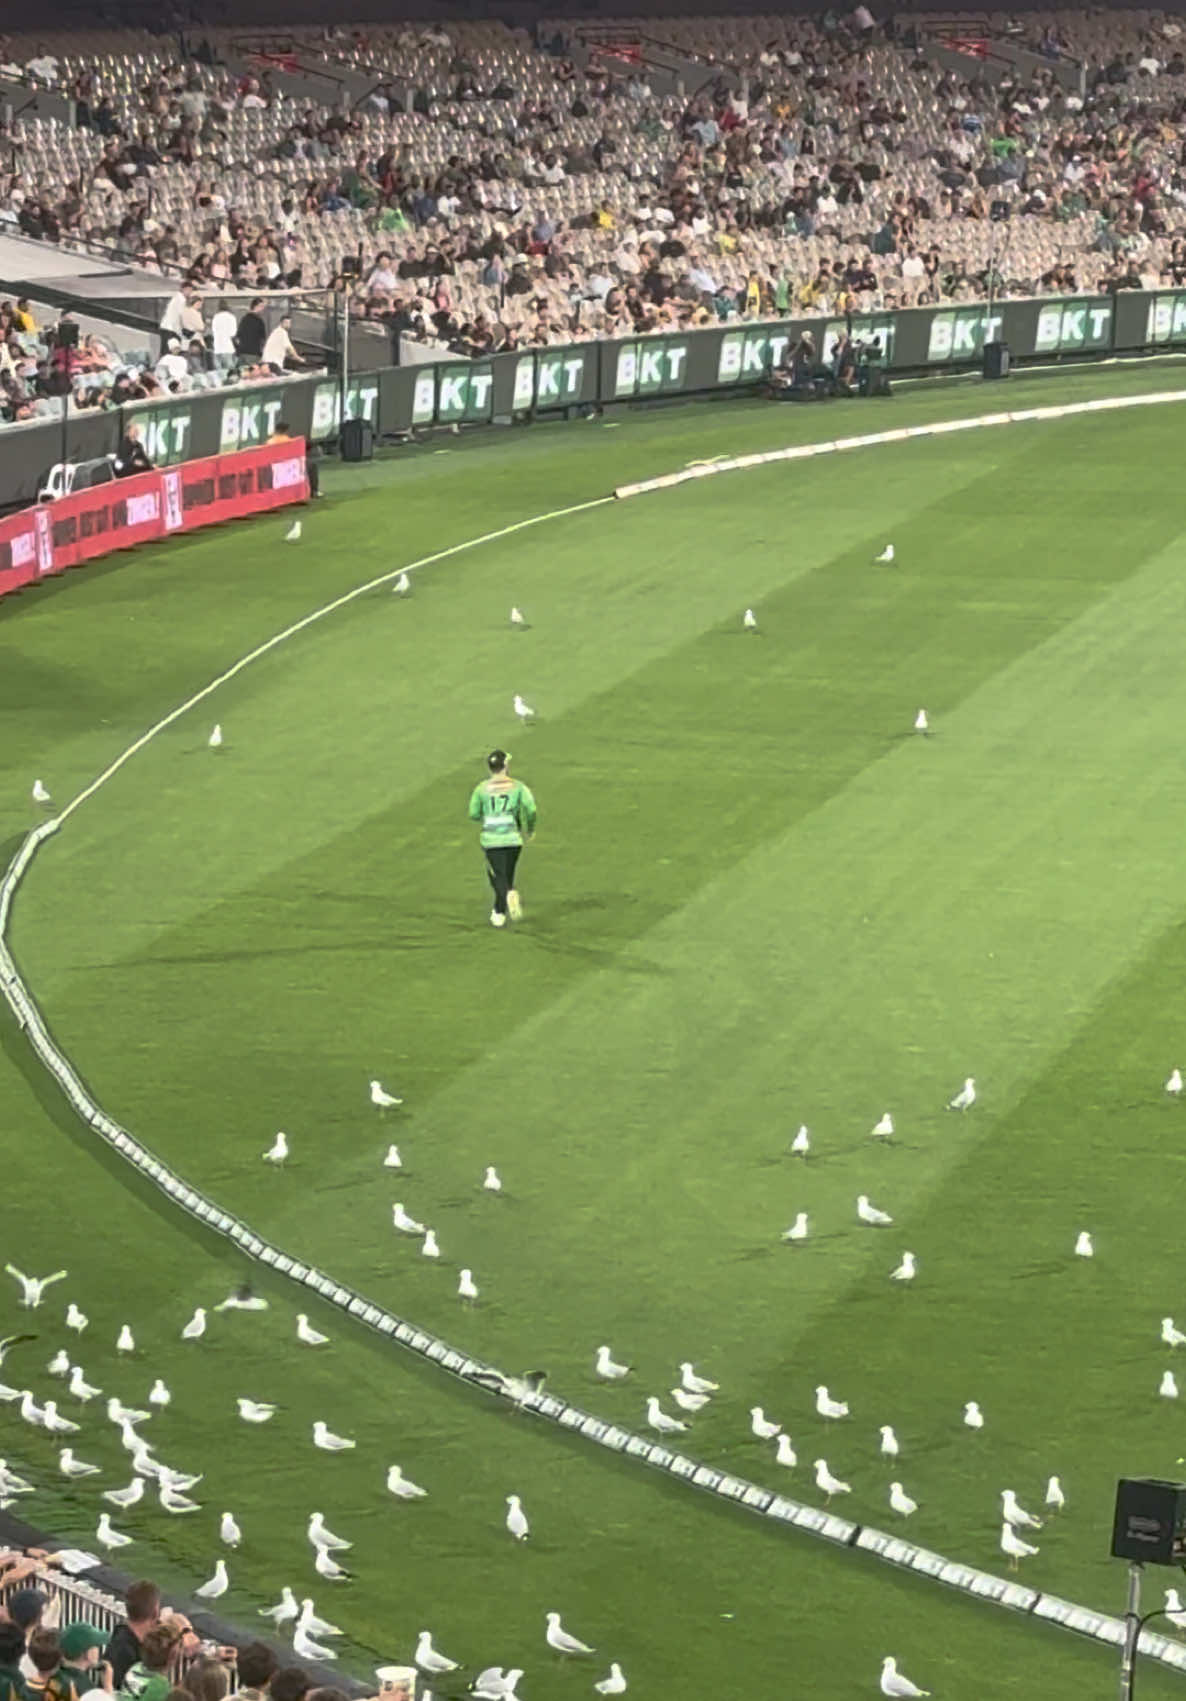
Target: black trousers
(500, 870)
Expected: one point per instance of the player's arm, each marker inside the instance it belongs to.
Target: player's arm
(475, 804)
(528, 813)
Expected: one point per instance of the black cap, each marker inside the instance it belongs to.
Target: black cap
(497, 760)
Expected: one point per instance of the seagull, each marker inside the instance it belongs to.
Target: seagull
(1055, 1498)
(10, 1483)
(798, 1229)
(966, 1097)
(40, 795)
(524, 710)
(80, 1387)
(196, 1327)
(55, 1424)
(893, 1683)
(285, 1610)
(1174, 1084)
(177, 1481)
(801, 1144)
(59, 1364)
(884, 1128)
(393, 1159)
(827, 1484)
(614, 1684)
(1174, 1610)
(557, 1637)
(398, 1484)
(492, 1181)
(176, 1503)
(749, 620)
(217, 1585)
(320, 1537)
(72, 1467)
(1171, 1336)
(659, 1420)
(109, 1538)
(467, 1288)
(689, 1402)
(921, 724)
(403, 1222)
(491, 1685)
(314, 1626)
(886, 556)
(1168, 1389)
(972, 1416)
(608, 1369)
(786, 1454)
(328, 1441)
(76, 1319)
(382, 1098)
(762, 1426)
(905, 1271)
(307, 1334)
(143, 1462)
(1012, 1544)
(868, 1213)
(214, 742)
(430, 1249)
(229, 1531)
(160, 1395)
(427, 1658)
(33, 1287)
(402, 586)
(518, 618)
(1083, 1246)
(827, 1407)
(30, 1410)
(889, 1442)
(900, 1501)
(517, 1519)
(1015, 1514)
(121, 1414)
(307, 1649)
(293, 534)
(126, 1342)
(130, 1496)
(255, 1411)
(696, 1384)
(9, 1394)
(277, 1152)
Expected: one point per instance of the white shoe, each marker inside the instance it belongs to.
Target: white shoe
(514, 905)
(497, 920)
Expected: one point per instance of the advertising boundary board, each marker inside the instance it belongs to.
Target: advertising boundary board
(41, 541)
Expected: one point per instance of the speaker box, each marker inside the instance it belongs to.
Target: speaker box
(357, 440)
(996, 360)
(1150, 1523)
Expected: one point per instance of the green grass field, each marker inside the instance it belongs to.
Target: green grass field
(756, 900)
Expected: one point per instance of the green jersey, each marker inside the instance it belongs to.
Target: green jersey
(506, 809)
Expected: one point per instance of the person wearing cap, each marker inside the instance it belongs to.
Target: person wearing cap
(81, 1666)
(507, 812)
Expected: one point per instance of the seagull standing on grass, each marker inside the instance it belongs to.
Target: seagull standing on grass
(516, 1519)
(284, 1611)
(403, 1222)
(785, 1453)
(398, 1484)
(196, 1327)
(467, 1288)
(1083, 1246)
(614, 1684)
(659, 1419)
(214, 742)
(894, 1684)
(1014, 1547)
(277, 1152)
(906, 1270)
(393, 1159)
(319, 1536)
(124, 1497)
(883, 1128)
(557, 1637)
(427, 1658)
(55, 1424)
(255, 1411)
(1170, 1335)
(324, 1438)
(382, 1098)
(402, 586)
(518, 619)
(972, 1415)
(160, 1395)
(900, 1501)
(1055, 1498)
(749, 620)
(523, 709)
(886, 556)
(109, 1538)
(763, 1427)
(80, 1387)
(827, 1484)
(307, 1335)
(33, 1287)
(59, 1364)
(126, 1342)
(798, 1229)
(40, 795)
(1168, 1389)
(689, 1402)
(293, 534)
(76, 1319)
(326, 1565)
(827, 1407)
(315, 1626)
(921, 723)
(307, 1649)
(966, 1097)
(72, 1467)
(801, 1144)
(608, 1369)
(491, 1181)
(696, 1384)
(889, 1442)
(1015, 1514)
(429, 1247)
(867, 1213)
(216, 1586)
(229, 1531)
(1174, 1084)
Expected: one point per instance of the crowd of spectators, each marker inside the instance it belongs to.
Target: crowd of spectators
(153, 1655)
(518, 197)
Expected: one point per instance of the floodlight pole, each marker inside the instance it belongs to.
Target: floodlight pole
(343, 356)
(1132, 1632)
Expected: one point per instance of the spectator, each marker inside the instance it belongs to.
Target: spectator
(24, 1608)
(207, 1680)
(283, 434)
(151, 1678)
(278, 350)
(12, 1648)
(252, 333)
(45, 1655)
(82, 1668)
(290, 1683)
(223, 331)
(142, 1602)
(173, 318)
(257, 1666)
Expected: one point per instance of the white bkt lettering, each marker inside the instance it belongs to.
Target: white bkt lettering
(643, 366)
(750, 356)
(460, 390)
(956, 334)
(165, 436)
(559, 378)
(1072, 326)
(1166, 321)
(246, 423)
(361, 403)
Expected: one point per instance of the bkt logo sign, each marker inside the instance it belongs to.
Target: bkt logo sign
(646, 369)
(1165, 320)
(1064, 326)
(165, 436)
(962, 334)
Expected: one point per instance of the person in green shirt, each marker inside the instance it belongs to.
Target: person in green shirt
(507, 813)
(81, 1666)
(151, 1679)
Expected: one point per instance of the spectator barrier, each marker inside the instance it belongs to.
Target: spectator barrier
(722, 360)
(828, 1526)
(47, 539)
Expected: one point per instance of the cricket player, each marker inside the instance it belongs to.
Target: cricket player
(507, 812)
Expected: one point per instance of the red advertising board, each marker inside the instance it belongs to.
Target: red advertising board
(77, 528)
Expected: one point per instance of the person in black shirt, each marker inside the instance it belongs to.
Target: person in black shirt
(132, 457)
(143, 1603)
(252, 333)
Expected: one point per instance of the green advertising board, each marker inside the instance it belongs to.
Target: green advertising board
(1064, 327)
(251, 418)
(1165, 318)
(362, 402)
(652, 366)
(166, 432)
(552, 378)
(454, 393)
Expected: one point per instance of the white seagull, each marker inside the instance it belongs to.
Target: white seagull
(762, 1426)
(492, 1685)
(80, 1387)
(786, 1454)
(109, 1538)
(608, 1369)
(196, 1327)
(126, 1342)
(467, 1288)
(55, 1424)
(72, 1467)
(324, 1438)
(517, 617)
(1055, 1498)
(921, 724)
(523, 709)
(889, 1442)
(1083, 1245)
(174, 1502)
(867, 1213)
(229, 1531)
(40, 795)
(827, 1407)
(900, 1501)
(393, 1159)
(317, 1533)
(972, 1415)
(176, 1481)
(427, 1658)
(30, 1410)
(59, 1364)
(399, 1485)
(659, 1419)
(749, 620)
(886, 556)
(614, 1684)
(801, 1144)
(285, 1610)
(689, 1402)
(696, 1384)
(76, 1319)
(429, 1247)
(215, 1587)
(307, 1334)
(1013, 1546)
(159, 1395)
(1015, 1514)
(382, 1098)
(1172, 1336)
(966, 1097)
(827, 1484)
(118, 1413)
(33, 1287)
(307, 1649)
(1168, 1389)
(326, 1565)
(130, 1496)
(403, 1222)
(402, 586)
(1174, 1084)
(293, 534)
(798, 1229)
(255, 1411)
(492, 1181)
(557, 1637)
(906, 1270)
(516, 1519)
(894, 1684)
(214, 742)
(883, 1128)
(277, 1152)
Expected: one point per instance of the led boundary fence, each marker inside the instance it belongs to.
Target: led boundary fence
(805, 451)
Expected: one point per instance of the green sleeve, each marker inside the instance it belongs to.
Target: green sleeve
(528, 813)
(475, 804)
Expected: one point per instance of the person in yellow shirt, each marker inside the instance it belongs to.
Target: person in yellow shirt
(604, 217)
(753, 296)
(22, 317)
